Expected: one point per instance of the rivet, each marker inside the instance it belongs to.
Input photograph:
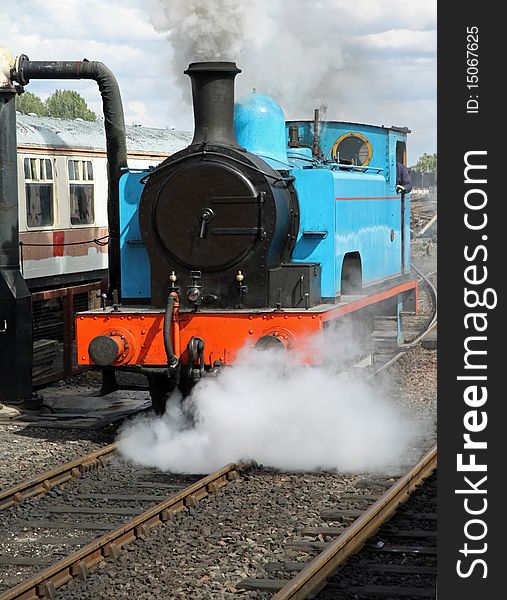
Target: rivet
(250, 317)
(83, 358)
(285, 316)
(81, 318)
(250, 331)
(272, 316)
(121, 318)
(94, 318)
(264, 316)
(143, 331)
(143, 345)
(300, 317)
(142, 317)
(129, 317)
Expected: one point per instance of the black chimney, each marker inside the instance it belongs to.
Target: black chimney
(213, 98)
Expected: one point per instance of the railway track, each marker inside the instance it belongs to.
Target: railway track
(105, 504)
(393, 535)
(30, 545)
(421, 328)
(400, 560)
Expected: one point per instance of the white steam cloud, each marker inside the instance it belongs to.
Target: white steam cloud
(282, 51)
(211, 30)
(267, 409)
(370, 61)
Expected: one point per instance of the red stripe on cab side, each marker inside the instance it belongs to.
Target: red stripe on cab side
(372, 198)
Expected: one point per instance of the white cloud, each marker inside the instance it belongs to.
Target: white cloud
(376, 15)
(136, 112)
(409, 41)
(77, 20)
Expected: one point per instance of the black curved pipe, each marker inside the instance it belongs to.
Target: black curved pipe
(172, 359)
(114, 123)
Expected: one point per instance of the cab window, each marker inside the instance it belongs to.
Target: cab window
(353, 149)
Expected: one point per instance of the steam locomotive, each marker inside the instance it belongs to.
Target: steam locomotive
(261, 232)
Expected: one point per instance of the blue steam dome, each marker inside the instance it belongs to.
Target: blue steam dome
(259, 125)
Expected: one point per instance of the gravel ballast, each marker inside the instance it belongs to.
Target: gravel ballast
(235, 533)
(226, 538)
(28, 451)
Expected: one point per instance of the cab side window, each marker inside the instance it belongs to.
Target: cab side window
(352, 148)
(81, 192)
(39, 192)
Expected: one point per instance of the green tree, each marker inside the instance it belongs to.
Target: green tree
(427, 163)
(30, 103)
(66, 104)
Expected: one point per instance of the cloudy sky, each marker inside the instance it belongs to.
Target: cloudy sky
(362, 60)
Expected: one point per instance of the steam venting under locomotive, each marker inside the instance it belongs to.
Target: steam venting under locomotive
(219, 222)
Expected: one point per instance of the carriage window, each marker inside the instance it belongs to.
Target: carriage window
(352, 148)
(81, 192)
(39, 190)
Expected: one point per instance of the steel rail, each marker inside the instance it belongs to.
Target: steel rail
(431, 325)
(312, 578)
(78, 564)
(433, 322)
(49, 479)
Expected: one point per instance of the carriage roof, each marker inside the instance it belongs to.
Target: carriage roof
(77, 133)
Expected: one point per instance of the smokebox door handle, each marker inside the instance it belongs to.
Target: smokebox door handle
(206, 217)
